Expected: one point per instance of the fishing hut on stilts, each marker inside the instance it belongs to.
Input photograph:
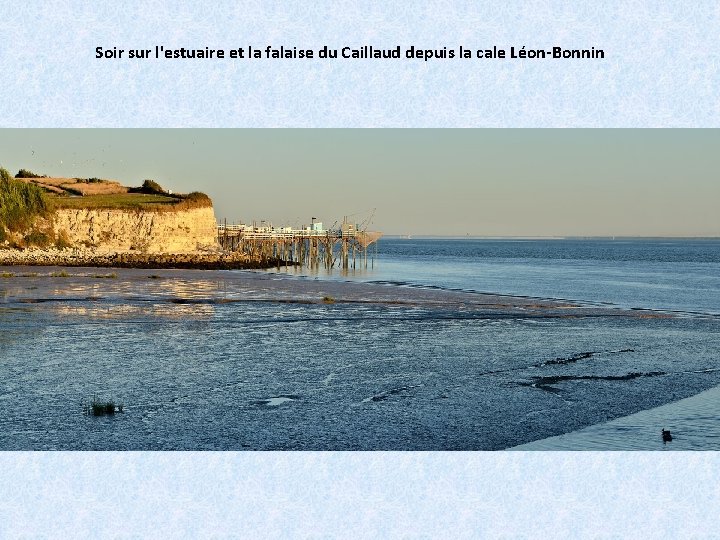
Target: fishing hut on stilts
(346, 246)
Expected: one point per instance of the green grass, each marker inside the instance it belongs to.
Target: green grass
(328, 300)
(60, 274)
(134, 201)
(7, 275)
(117, 200)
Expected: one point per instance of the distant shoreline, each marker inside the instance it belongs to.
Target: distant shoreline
(589, 238)
(90, 258)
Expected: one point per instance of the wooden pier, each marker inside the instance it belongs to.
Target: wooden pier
(344, 247)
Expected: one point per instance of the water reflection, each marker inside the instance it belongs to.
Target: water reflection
(122, 311)
(359, 272)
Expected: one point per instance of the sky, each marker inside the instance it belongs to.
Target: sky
(447, 182)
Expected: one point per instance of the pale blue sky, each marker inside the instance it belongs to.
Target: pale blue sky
(482, 182)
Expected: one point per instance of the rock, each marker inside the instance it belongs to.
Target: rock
(201, 260)
(172, 231)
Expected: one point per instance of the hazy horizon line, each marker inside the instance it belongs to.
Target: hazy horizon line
(567, 237)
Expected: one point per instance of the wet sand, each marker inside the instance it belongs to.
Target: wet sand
(192, 286)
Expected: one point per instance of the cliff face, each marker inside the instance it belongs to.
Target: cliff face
(145, 231)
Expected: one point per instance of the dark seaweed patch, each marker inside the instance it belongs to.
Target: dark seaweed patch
(569, 360)
(546, 382)
(385, 395)
(560, 361)
(61, 299)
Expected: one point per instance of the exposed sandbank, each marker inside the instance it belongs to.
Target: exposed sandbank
(209, 288)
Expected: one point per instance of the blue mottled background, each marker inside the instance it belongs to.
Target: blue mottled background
(660, 69)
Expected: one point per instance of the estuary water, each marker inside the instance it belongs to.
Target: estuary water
(440, 345)
(665, 274)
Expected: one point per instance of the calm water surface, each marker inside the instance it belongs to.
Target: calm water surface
(658, 274)
(409, 356)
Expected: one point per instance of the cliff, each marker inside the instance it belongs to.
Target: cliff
(147, 231)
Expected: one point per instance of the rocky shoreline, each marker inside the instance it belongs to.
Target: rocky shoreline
(91, 258)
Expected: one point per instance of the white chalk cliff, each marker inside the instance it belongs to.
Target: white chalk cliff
(182, 231)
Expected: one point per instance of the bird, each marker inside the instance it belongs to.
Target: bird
(666, 436)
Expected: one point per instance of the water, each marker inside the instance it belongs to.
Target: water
(657, 274)
(692, 423)
(407, 356)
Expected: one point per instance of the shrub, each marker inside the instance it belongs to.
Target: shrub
(20, 203)
(196, 196)
(92, 180)
(149, 187)
(194, 200)
(24, 173)
(73, 191)
(63, 240)
(38, 239)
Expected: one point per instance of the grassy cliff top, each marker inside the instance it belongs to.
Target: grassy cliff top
(99, 193)
(75, 186)
(133, 201)
(114, 200)
(28, 202)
